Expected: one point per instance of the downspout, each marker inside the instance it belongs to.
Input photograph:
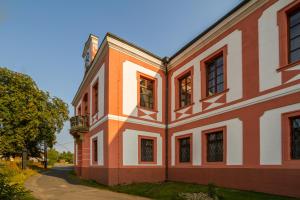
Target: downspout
(165, 63)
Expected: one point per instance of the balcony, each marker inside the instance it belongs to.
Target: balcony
(79, 124)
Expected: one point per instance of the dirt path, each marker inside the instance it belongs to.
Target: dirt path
(55, 184)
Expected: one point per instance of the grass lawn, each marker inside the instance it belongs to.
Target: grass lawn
(170, 190)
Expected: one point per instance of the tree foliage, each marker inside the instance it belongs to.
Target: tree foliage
(66, 156)
(54, 156)
(28, 116)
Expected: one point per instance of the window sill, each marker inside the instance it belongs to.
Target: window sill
(184, 164)
(213, 164)
(148, 109)
(177, 109)
(290, 162)
(214, 95)
(147, 162)
(290, 65)
(94, 164)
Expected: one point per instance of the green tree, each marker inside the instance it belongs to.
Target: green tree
(53, 156)
(29, 117)
(67, 156)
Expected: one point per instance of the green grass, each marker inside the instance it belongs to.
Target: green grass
(170, 190)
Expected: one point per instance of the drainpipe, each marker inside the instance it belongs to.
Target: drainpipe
(165, 63)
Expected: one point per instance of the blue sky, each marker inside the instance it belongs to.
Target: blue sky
(44, 39)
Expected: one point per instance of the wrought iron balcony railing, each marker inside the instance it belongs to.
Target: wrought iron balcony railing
(79, 124)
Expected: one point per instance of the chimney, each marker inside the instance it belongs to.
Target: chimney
(90, 50)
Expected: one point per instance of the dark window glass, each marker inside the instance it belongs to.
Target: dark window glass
(146, 93)
(185, 90)
(85, 101)
(215, 147)
(184, 150)
(295, 137)
(95, 145)
(147, 150)
(95, 97)
(294, 36)
(79, 110)
(215, 76)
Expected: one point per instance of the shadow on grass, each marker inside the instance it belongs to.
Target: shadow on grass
(165, 190)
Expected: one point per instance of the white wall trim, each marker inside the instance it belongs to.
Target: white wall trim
(234, 150)
(130, 101)
(100, 146)
(131, 148)
(270, 137)
(100, 77)
(103, 119)
(234, 71)
(268, 46)
(249, 102)
(135, 121)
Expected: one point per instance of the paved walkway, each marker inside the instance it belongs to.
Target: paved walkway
(56, 185)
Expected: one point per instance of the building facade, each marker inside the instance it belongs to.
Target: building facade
(224, 109)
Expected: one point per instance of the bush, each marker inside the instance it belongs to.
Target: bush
(10, 191)
(12, 178)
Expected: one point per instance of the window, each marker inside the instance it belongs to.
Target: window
(294, 36)
(147, 150)
(85, 100)
(214, 150)
(295, 137)
(215, 75)
(184, 150)
(146, 93)
(79, 110)
(95, 98)
(185, 90)
(95, 152)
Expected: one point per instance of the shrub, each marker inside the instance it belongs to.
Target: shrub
(10, 191)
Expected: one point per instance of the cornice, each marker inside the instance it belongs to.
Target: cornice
(220, 28)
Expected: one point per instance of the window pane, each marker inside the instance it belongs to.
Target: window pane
(188, 80)
(295, 56)
(295, 31)
(220, 79)
(95, 144)
(211, 91)
(211, 75)
(215, 147)
(220, 88)
(219, 61)
(220, 70)
(295, 18)
(211, 83)
(143, 82)
(295, 138)
(147, 150)
(146, 93)
(185, 90)
(210, 67)
(184, 150)
(295, 43)
(215, 75)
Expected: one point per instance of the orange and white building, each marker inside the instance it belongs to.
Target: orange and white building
(224, 109)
